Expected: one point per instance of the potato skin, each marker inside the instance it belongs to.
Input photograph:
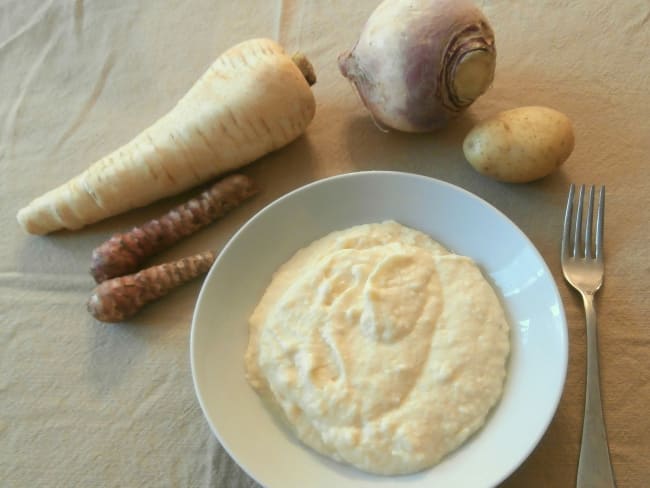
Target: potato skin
(520, 145)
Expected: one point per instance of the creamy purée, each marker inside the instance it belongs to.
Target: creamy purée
(383, 350)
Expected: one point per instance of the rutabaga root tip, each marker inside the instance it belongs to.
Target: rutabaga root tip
(305, 66)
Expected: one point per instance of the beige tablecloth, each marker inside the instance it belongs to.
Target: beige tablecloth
(85, 404)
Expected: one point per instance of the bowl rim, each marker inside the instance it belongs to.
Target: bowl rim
(564, 339)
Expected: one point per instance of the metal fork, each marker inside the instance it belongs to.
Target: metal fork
(584, 270)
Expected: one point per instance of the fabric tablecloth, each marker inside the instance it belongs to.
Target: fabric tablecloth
(88, 404)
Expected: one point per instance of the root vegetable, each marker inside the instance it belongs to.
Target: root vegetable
(254, 99)
(418, 63)
(520, 145)
(124, 253)
(120, 298)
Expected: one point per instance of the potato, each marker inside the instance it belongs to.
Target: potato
(520, 145)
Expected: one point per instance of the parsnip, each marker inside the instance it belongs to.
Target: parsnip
(253, 100)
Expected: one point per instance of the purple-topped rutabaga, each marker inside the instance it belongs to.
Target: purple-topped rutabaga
(418, 63)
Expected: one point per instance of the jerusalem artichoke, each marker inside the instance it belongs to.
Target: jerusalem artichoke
(120, 298)
(124, 253)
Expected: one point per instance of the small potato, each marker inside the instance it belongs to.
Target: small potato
(520, 145)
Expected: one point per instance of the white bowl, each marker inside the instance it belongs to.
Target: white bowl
(459, 220)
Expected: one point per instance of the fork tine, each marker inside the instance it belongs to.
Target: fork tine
(578, 224)
(589, 218)
(600, 224)
(566, 233)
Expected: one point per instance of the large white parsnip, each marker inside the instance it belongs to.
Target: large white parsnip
(253, 100)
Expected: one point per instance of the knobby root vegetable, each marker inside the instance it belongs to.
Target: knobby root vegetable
(124, 253)
(253, 100)
(418, 63)
(117, 299)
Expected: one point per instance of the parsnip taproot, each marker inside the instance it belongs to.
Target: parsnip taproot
(254, 99)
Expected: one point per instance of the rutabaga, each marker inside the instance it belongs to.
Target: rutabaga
(418, 63)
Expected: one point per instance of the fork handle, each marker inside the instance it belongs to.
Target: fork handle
(594, 466)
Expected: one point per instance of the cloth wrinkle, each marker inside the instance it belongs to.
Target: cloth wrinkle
(78, 17)
(39, 16)
(87, 106)
(10, 129)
